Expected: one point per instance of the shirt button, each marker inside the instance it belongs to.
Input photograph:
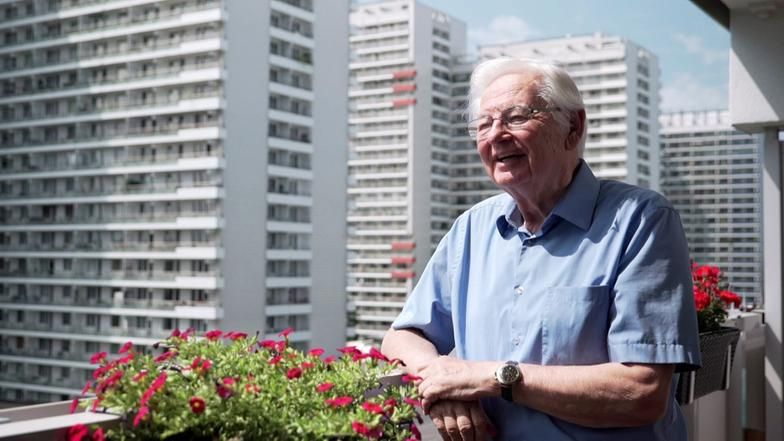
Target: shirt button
(516, 341)
(519, 290)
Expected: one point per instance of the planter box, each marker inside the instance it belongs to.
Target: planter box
(717, 349)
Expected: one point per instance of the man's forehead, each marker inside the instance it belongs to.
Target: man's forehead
(508, 90)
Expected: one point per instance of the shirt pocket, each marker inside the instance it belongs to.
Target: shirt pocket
(574, 326)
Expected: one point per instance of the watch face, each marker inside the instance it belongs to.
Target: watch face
(508, 374)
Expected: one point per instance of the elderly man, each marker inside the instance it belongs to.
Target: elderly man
(566, 301)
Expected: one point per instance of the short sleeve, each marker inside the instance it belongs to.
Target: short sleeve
(652, 315)
(428, 308)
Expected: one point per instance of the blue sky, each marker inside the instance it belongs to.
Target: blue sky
(693, 50)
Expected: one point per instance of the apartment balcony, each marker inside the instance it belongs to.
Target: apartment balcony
(133, 193)
(209, 280)
(131, 137)
(186, 104)
(192, 15)
(189, 161)
(125, 222)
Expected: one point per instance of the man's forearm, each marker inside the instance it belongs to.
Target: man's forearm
(607, 395)
(410, 347)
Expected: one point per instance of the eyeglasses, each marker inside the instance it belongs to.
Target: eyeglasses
(512, 119)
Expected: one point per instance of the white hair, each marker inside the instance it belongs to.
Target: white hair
(556, 88)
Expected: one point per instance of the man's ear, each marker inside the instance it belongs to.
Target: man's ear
(576, 128)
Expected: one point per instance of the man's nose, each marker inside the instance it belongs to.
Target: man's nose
(497, 130)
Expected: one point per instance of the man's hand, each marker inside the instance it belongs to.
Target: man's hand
(455, 379)
(461, 421)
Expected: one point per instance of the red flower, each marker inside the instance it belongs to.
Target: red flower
(156, 385)
(701, 299)
(141, 415)
(390, 404)
(252, 388)
(201, 365)
(339, 401)
(729, 297)
(280, 346)
(376, 354)
(359, 356)
(324, 387)
(360, 428)
(187, 334)
(96, 402)
(139, 376)
(331, 359)
(213, 335)
(409, 378)
(197, 405)
(223, 391)
(275, 360)
(317, 352)
(86, 388)
(165, 356)
(267, 344)
(77, 432)
(307, 365)
(98, 435)
(286, 332)
(98, 357)
(412, 401)
(228, 381)
(175, 333)
(349, 350)
(125, 348)
(416, 432)
(74, 405)
(234, 336)
(373, 408)
(294, 373)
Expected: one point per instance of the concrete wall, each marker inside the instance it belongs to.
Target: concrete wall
(756, 74)
(330, 170)
(245, 177)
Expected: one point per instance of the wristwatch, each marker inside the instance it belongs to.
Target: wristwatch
(507, 377)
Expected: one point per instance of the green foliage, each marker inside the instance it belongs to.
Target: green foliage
(229, 386)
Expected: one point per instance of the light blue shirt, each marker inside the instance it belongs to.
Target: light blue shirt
(607, 279)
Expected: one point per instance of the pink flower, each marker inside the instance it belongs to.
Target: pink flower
(339, 401)
(98, 435)
(126, 359)
(373, 408)
(213, 335)
(275, 360)
(201, 365)
(74, 405)
(77, 432)
(331, 359)
(95, 404)
(223, 391)
(324, 387)
(294, 373)
(228, 381)
(317, 352)
(234, 336)
(98, 357)
(125, 348)
(349, 350)
(286, 332)
(156, 385)
(307, 365)
(409, 378)
(415, 431)
(139, 376)
(175, 333)
(197, 405)
(165, 356)
(141, 415)
(360, 428)
(86, 388)
(280, 346)
(252, 388)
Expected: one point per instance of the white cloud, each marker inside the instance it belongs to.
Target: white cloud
(694, 45)
(687, 92)
(501, 29)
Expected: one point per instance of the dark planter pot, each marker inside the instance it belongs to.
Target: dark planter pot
(716, 349)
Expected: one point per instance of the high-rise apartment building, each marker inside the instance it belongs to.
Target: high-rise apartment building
(164, 164)
(712, 175)
(619, 83)
(399, 138)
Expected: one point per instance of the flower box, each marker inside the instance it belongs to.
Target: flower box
(230, 386)
(717, 349)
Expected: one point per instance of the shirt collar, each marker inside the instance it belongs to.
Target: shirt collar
(576, 206)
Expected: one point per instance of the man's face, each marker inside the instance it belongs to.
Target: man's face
(533, 158)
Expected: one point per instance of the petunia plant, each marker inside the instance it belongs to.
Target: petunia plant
(711, 297)
(229, 386)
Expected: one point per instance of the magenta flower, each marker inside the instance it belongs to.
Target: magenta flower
(324, 387)
(286, 332)
(141, 415)
(197, 405)
(98, 357)
(125, 348)
(213, 335)
(373, 408)
(316, 352)
(294, 373)
(339, 401)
